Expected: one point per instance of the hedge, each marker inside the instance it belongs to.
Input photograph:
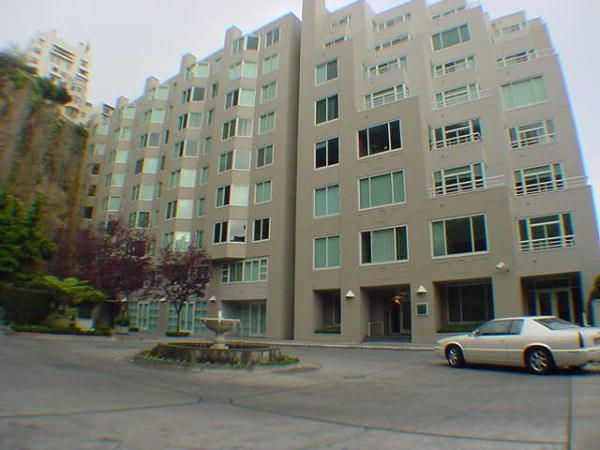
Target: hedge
(25, 306)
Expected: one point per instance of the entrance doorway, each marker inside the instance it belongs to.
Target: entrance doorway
(557, 295)
(555, 302)
(389, 312)
(399, 317)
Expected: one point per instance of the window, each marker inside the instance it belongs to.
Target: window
(391, 22)
(157, 116)
(174, 179)
(516, 58)
(203, 178)
(459, 236)
(125, 134)
(210, 116)
(181, 209)
(146, 165)
(201, 206)
(326, 109)
(237, 127)
(272, 37)
(242, 97)
(385, 96)
(266, 123)
(262, 192)
(199, 238)
(117, 180)
(379, 190)
(234, 159)
(468, 302)
(264, 156)
(234, 194)
(244, 43)
(379, 138)
(161, 93)
(113, 204)
(454, 134)
(326, 71)
(532, 134)
(150, 140)
(335, 41)
(326, 252)
(546, 232)
(139, 219)
(214, 89)
(187, 148)
(450, 37)
(248, 271)
(122, 156)
(261, 229)
(453, 66)
(391, 42)
(182, 121)
(102, 129)
(524, 92)
(139, 166)
(229, 231)
(458, 179)
(271, 64)
(385, 67)
(243, 69)
(206, 146)
(327, 153)
(538, 179)
(142, 192)
(383, 246)
(167, 241)
(327, 201)
(268, 92)
(457, 96)
(195, 120)
(98, 149)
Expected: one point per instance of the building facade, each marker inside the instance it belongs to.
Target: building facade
(363, 175)
(66, 65)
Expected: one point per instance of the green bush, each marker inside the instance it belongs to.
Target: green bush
(329, 329)
(60, 330)
(134, 329)
(178, 333)
(25, 306)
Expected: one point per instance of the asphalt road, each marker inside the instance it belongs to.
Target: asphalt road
(66, 392)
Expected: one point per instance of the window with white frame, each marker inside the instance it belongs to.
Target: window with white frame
(459, 236)
(535, 180)
(210, 116)
(384, 245)
(98, 149)
(379, 138)
(167, 241)
(261, 229)
(242, 97)
(266, 123)
(447, 12)
(232, 231)
(400, 63)
(171, 210)
(383, 189)
(326, 71)
(102, 129)
(244, 43)
(247, 271)
(327, 153)
(335, 41)
(458, 179)
(450, 37)
(457, 96)
(125, 134)
(327, 201)
(326, 109)
(199, 238)
(271, 64)
(182, 121)
(529, 91)
(243, 69)
(234, 159)
(456, 65)
(262, 192)
(268, 92)
(206, 146)
(128, 112)
(454, 134)
(391, 42)
(232, 194)
(139, 219)
(379, 26)
(264, 156)
(546, 232)
(161, 93)
(385, 96)
(150, 165)
(237, 127)
(151, 139)
(195, 120)
(516, 58)
(157, 116)
(326, 252)
(122, 156)
(203, 177)
(112, 203)
(187, 148)
(271, 37)
(201, 206)
(193, 94)
(535, 133)
(181, 241)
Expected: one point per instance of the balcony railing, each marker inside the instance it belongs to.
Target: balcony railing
(449, 142)
(463, 97)
(467, 186)
(549, 243)
(524, 57)
(533, 140)
(386, 100)
(548, 186)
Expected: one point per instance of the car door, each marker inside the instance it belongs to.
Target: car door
(514, 342)
(488, 343)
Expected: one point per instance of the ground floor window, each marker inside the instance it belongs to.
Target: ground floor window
(467, 303)
(251, 314)
(329, 311)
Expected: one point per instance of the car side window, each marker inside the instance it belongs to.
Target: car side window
(515, 327)
(495, 328)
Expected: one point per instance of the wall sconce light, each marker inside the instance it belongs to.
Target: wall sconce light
(421, 290)
(501, 266)
(349, 295)
(212, 299)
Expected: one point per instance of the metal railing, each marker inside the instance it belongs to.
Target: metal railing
(524, 57)
(456, 140)
(467, 186)
(533, 140)
(465, 97)
(524, 189)
(375, 329)
(532, 245)
(386, 100)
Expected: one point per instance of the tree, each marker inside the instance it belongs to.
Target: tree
(115, 260)
(181, 276)
(21, 243)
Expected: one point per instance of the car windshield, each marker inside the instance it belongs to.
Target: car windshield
(556, 324)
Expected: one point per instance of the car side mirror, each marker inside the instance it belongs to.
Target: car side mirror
(476, 333)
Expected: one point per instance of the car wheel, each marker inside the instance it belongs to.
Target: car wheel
(539, 361)
(455, 357)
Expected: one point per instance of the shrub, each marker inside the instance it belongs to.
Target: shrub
(60, 330)
(329, 329)
(25, 306)
(178, 333)
(134, 329)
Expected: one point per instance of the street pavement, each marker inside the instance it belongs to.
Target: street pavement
(76, 392)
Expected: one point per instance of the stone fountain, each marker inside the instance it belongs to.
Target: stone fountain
(219, 325)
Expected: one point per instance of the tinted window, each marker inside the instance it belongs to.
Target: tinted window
(556, 324)
(495, 327)
(515, 327)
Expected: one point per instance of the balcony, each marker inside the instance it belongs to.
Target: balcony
(386, 99)
(523, 189)
(548, 243)
(455, 140)
(462, 187)
(462, 97)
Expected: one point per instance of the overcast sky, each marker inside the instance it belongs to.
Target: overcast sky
(133, 39)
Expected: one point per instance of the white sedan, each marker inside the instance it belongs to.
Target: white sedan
(539, 343)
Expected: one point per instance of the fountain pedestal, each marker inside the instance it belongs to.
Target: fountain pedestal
(220, 326)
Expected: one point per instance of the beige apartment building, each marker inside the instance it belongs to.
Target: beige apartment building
(361, 175)
(65, 64)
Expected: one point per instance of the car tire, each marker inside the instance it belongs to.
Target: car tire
(539, 361)
(454, 356)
